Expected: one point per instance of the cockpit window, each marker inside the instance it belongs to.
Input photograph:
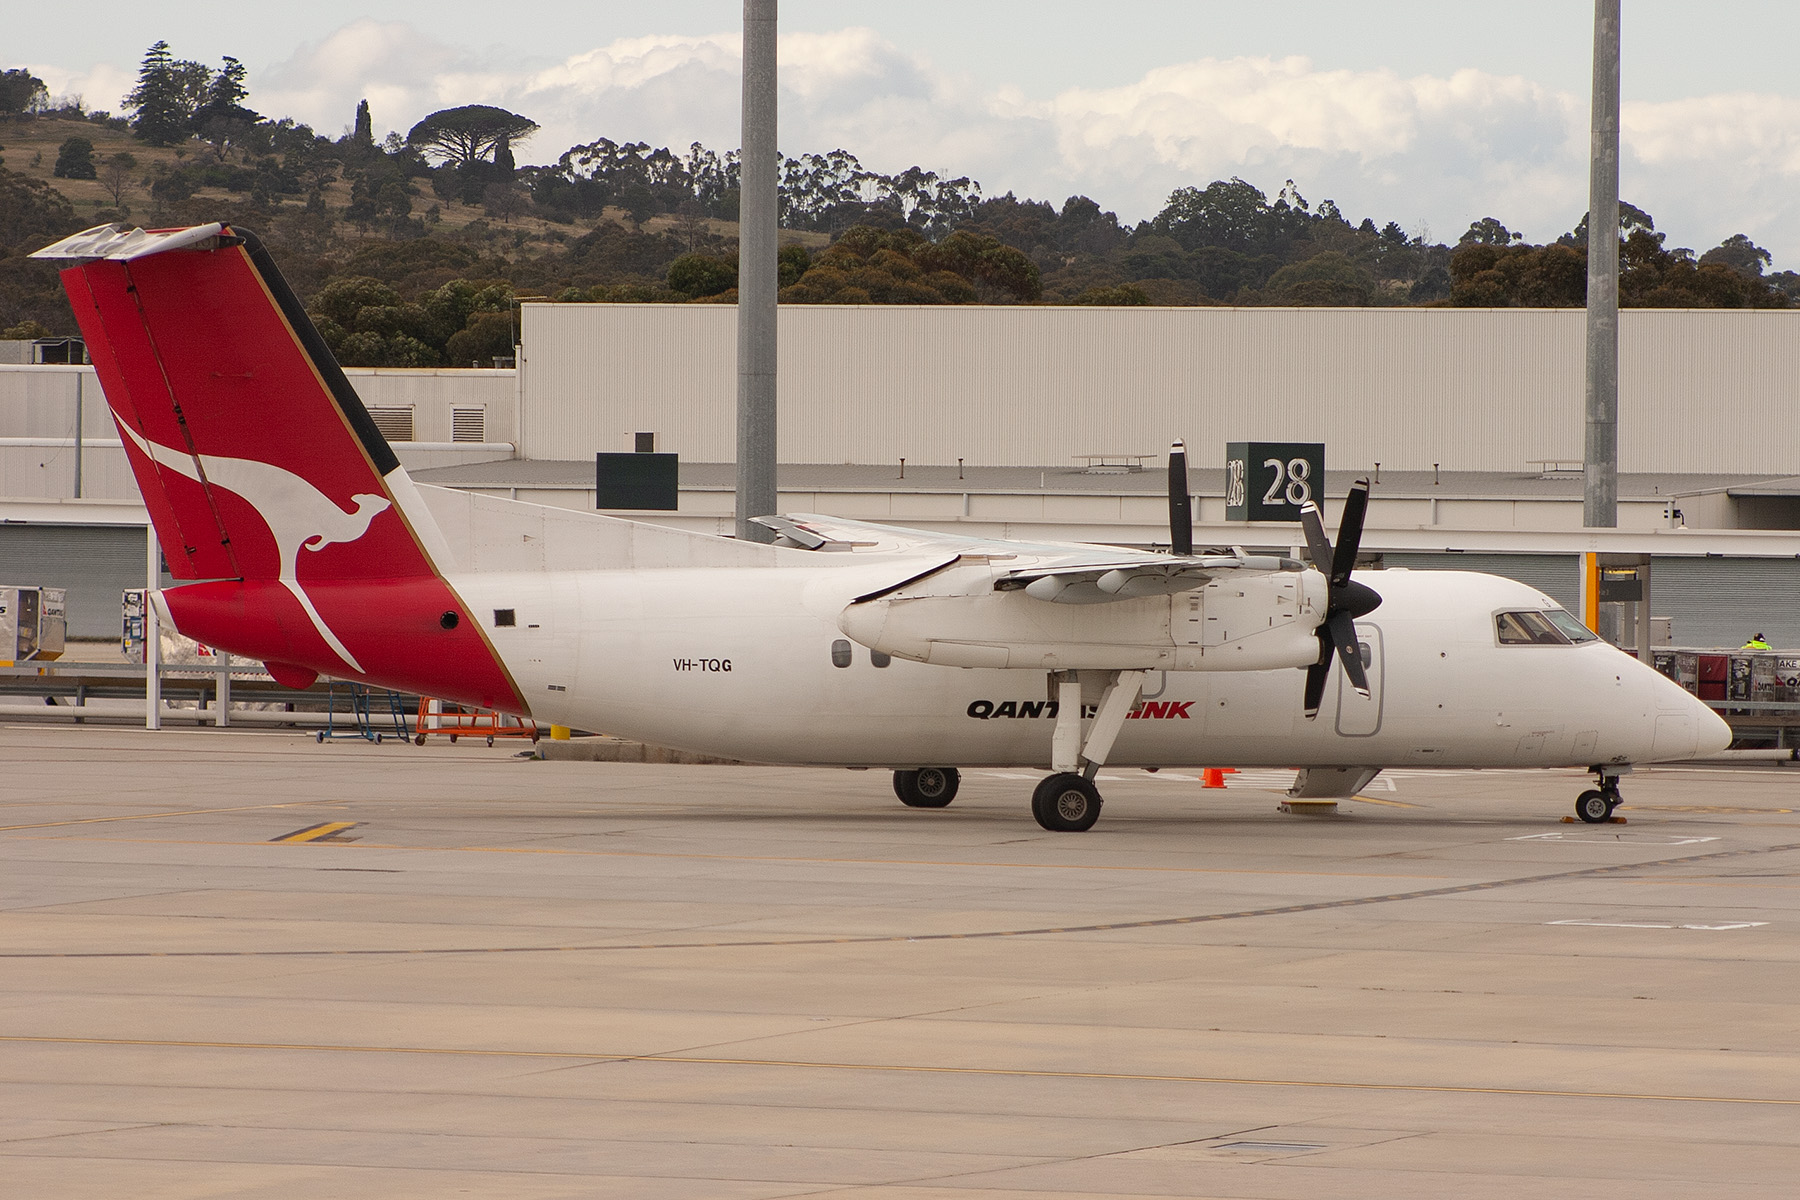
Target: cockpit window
(1573, 629)
(1528, 629)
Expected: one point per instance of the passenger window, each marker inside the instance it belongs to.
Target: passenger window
(840, 653)
(877, 658)
(1528, 629)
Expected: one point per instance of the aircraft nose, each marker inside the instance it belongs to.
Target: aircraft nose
(1713, 734)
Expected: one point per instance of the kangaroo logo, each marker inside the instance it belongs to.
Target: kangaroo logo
(298, 514)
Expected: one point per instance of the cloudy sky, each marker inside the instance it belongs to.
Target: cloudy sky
(1430, 114)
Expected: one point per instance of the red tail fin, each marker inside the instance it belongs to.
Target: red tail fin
(260, 467)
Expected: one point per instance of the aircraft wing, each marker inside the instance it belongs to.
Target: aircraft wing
(1058, 572)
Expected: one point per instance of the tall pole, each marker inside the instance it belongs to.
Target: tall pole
(757, 276)
(152, 630)
(1601, 460)
(80, 373)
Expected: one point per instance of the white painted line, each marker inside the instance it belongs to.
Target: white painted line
(1646, 925)
(1622, 839)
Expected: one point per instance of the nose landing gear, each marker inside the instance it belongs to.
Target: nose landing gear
(1595, 806)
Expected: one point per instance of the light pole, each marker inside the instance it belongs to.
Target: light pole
(758, 279)
(1601, 459)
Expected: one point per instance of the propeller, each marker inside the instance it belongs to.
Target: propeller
(1181, 511)
(1348, 599)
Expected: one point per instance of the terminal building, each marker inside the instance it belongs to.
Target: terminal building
(1052, 422)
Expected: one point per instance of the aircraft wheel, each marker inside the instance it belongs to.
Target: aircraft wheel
(1594, 807)
(927, 787)
(1066, 803)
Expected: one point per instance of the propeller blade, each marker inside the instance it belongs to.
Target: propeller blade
(1350, 531)
(1316, 543)
(1181, 511)
(1316, 675)
(1315, 685)
(1343, 637)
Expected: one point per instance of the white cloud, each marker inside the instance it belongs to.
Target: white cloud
(1423, 150)
(101, 86)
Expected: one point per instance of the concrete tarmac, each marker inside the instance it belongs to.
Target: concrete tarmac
(240, 963)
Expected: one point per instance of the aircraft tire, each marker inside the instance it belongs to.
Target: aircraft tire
(927, 787)
(1594, 806)
(1066, 803)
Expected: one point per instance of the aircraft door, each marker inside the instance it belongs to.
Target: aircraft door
(1357, 717)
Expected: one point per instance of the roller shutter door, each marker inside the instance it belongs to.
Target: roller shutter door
(93, 562)
(1722, 601)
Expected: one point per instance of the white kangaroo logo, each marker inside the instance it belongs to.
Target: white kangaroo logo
(297, 514)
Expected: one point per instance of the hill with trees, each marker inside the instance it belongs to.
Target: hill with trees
(415, 250)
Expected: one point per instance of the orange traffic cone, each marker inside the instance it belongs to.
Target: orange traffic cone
(1212, 777)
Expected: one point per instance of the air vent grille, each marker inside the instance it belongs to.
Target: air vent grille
(396, 424)
(468, 424)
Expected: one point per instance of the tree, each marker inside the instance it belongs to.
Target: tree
(488, 336)
(1740, 254)
(700, 275)
(31, 212)
(1488, 232)
(505, 200)
(224, 100)
(75, 160)
(363, 135)
(168, 92)
(1631, 219)
(20, 91)
(468, 134)
(1329, 279)
(638, 202)
(1230, 214)
(115, 175)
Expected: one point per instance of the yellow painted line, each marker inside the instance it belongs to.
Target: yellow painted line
(1389, 803)
(185, 812)
(319, 832)
(904, 1068)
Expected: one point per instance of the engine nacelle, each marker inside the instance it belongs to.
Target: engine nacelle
(1238, 621)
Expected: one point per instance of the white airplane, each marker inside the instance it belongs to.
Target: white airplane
(843, 643)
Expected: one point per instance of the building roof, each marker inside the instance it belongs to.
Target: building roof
(1073, 479)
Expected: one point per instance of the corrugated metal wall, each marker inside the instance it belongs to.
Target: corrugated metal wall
(1472, 389)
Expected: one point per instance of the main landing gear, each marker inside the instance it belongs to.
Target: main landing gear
(1068, 801)
(1595, 806)
(927, 787)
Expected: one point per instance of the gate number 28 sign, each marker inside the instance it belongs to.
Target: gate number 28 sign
(1269, 481)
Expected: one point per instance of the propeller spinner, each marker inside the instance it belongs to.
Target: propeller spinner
(1348, 599)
